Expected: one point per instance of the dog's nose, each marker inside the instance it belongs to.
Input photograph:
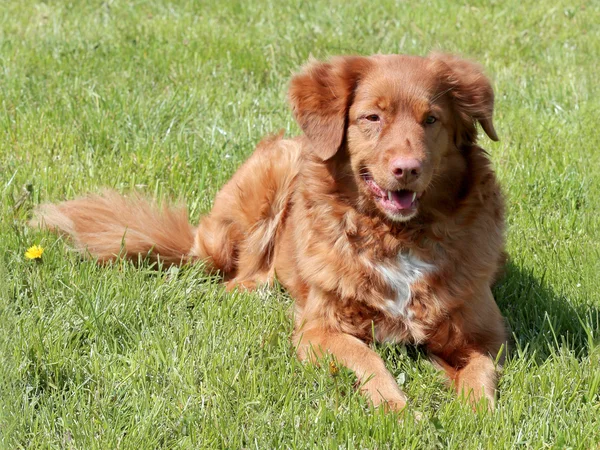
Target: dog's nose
(406, 169)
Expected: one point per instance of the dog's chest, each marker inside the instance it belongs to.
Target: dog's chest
(400, 275)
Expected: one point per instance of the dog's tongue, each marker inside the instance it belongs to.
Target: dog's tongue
(401, 199)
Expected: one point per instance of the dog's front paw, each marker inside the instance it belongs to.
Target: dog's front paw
(393, 405)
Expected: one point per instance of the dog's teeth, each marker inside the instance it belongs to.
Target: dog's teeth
(390, 196)
(414, 196)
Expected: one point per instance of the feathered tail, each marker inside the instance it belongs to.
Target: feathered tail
(110, 226)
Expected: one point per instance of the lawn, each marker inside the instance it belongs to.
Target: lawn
(169, 97)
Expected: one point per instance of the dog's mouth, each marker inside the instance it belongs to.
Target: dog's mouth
(399, 205)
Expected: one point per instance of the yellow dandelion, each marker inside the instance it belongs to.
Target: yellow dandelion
(34, 252)
(333, 368)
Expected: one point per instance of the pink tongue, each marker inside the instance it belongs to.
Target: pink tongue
(402, 199)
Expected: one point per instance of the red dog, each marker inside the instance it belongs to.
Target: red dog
(384, 220)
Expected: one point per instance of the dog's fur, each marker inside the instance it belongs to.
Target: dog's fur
(362, 263)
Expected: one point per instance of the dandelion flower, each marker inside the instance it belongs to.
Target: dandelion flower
(333, 368)
(34, 252)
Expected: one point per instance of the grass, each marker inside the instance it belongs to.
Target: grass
(169, 98)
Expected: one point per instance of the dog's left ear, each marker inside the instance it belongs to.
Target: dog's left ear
(320, 97)
(471, 92)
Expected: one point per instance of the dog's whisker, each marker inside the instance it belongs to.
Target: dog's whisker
(441, 94)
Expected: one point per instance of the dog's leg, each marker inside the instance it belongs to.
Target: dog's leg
(474, 381)
(237, 238)
(375, 380)
(250, 283)
(467, 353)
(477, 380)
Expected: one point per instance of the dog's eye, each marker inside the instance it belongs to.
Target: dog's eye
(372, 118)
(430, 120)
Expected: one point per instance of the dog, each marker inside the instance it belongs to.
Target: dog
(384, 220)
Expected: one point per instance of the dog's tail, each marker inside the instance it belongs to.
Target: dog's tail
(109, 226)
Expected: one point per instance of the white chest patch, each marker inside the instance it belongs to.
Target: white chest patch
(400, 275)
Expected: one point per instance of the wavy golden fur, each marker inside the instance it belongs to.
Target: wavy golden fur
(384, 220)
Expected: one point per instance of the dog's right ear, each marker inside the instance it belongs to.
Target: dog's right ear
(320, 97)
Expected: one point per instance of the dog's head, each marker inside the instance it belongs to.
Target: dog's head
(401, 119)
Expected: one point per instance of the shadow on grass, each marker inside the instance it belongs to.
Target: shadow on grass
(541, 320)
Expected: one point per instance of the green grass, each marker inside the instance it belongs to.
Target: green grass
(169, 98)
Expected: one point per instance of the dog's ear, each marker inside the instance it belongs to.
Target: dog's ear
(471, 92)
(320, 97)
